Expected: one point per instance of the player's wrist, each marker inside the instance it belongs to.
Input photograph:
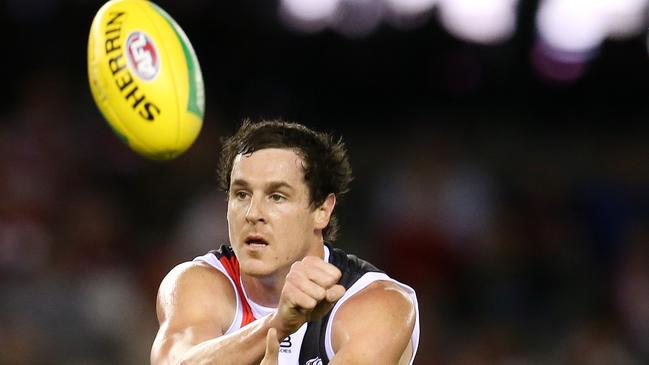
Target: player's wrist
(276, 322)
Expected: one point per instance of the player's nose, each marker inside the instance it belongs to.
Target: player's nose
(254, 211)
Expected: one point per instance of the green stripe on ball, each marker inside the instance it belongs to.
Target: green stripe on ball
(196, 102)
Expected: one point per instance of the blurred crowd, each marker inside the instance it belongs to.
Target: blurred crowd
(525, 246)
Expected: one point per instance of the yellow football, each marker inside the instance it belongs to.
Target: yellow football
(145, 78)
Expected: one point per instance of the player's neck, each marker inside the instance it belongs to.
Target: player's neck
(264, 290)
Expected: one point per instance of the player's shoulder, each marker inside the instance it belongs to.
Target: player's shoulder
(194, 292)
(382, 295)
(382, 303)
(189, 271)
(381, 310)
(196, 279)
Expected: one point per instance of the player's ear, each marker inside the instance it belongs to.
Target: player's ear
(324, 211)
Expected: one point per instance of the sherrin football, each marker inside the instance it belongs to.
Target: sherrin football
(145, 78)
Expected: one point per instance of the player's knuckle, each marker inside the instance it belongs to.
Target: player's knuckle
(292, 278)
(293, 298)
(297, 266)
(335, 272)
(310, 260)
(320, 293)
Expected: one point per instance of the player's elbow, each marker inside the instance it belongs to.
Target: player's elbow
(162, 353)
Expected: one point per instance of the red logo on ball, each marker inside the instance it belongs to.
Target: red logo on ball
(142, 55)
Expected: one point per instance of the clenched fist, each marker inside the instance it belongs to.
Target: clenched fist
(310, 291)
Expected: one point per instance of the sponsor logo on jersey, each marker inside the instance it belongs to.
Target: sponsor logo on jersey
(316, 361)
(142, 55)
(286, 342)
(285, 345)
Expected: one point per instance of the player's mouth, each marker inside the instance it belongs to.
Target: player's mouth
(256, 241)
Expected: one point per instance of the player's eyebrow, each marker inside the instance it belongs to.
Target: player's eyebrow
(239, 183)
(271, 186)
(277, 185)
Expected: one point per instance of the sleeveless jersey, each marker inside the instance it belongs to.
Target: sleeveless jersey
(311, 344)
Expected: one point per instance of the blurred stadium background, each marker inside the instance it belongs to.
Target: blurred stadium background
(500, 153)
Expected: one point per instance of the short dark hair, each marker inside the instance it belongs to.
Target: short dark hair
(326, 165)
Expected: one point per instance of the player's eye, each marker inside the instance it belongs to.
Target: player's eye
(240, 194)
(277, 197)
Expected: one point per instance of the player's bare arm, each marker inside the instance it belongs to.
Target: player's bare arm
(195, 306)
(381, 314)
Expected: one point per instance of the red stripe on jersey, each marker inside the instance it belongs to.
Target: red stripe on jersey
(232, 267)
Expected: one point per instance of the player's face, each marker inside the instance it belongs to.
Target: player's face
(270, 220)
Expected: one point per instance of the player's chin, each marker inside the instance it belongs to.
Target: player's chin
(255, 266)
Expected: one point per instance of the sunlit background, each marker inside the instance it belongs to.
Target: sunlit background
(499, 146)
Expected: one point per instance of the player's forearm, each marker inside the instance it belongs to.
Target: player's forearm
(245, 346)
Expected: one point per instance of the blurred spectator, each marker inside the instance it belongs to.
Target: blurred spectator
(632, 290)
